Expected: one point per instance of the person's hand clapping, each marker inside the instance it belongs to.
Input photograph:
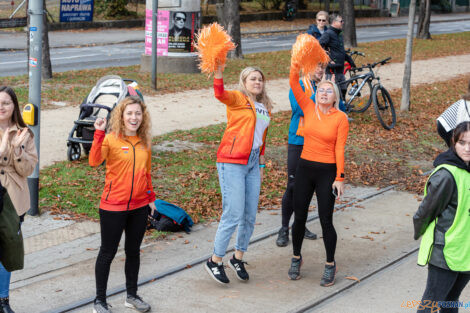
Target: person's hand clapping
(100, 124)
(20, 139)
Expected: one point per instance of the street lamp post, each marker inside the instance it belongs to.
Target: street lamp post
(35, 12)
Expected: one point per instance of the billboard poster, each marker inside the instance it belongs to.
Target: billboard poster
(76, 10)
(162, 32)
(183, 27)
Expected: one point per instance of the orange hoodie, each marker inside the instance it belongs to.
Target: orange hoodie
(237, 141)
(128, 183)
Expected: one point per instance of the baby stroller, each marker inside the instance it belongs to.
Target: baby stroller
(105, 95)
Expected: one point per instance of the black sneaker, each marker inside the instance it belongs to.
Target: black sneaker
(309, 235)
(294, 270)
(5, 305)
(329, 275)
(217, 271)
(283, 237)
(239, 267)
(100, 307)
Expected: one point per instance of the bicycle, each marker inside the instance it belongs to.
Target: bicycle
(356, 102)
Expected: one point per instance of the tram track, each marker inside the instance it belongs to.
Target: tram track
(200, 260)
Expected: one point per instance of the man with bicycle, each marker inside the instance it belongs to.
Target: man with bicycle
(332, 42)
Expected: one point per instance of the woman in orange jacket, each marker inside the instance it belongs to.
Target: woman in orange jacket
(240, 164)
(128, 195)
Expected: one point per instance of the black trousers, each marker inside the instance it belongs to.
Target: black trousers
(314, 177)
(442, 285)
(112, 224)
(293, 157)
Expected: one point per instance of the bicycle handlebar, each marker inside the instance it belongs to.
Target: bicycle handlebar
(354, 52)
(371, 66)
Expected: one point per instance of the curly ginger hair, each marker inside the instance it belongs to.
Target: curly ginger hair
(116, 122)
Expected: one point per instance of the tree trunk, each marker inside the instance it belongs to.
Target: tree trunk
(424, 19)
(349, 27)
(405, 92)
(46, 71)
(228, 15)
(327, 5)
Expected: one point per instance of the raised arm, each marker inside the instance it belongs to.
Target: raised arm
(302, 99)
(227, 97)
(99, 148)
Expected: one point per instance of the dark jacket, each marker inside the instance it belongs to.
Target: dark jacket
(441, 201)
(314, 31)
(332, 42)
(11, 237)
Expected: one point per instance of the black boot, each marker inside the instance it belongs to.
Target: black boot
(283, 237)
(309, 234)
(5, 306)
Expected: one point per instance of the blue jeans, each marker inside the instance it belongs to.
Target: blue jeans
(240, 186)
(4, 282)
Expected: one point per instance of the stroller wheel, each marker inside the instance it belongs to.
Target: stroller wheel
(74, 151)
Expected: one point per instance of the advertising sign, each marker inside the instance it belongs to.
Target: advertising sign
(183, 27)
(162, 32)
(76, 10)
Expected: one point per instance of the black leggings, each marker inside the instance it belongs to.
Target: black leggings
(112, 224)
(293, 156)
(443, 285)
(314, 177)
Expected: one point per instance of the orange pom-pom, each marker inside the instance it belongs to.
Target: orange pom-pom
(307, 53)
(213, 43)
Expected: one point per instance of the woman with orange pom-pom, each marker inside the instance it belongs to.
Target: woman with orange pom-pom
(240, 164)
(321, 164)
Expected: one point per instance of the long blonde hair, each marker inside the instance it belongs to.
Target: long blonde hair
(262, 97)
(116, 122)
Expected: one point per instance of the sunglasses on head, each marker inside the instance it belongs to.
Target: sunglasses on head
(180, 19)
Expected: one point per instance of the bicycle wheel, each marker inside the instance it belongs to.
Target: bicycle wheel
(383, 107)
(362, 100)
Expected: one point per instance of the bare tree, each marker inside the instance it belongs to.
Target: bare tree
(349, 27)
(405, 91)
(46, 72)
(327, 5)
(424, 19)
(228, 14)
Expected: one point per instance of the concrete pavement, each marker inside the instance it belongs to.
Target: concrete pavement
(371, 234)
(73, 38)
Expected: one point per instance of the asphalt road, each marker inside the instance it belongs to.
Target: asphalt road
(77, 58)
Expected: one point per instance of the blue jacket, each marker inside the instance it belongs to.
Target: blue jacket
(315, 32)
(297, 113)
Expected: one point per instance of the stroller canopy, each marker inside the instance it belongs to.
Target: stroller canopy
(110, 85)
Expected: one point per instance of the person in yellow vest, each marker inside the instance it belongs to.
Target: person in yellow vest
(443, 220)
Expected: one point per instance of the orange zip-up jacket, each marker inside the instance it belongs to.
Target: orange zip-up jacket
(128, 183)
(325, 137)
(237, 141)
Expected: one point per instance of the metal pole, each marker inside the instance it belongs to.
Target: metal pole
(35, 12)
(154, 42)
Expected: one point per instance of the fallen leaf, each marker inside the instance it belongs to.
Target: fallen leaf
(353, 278)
